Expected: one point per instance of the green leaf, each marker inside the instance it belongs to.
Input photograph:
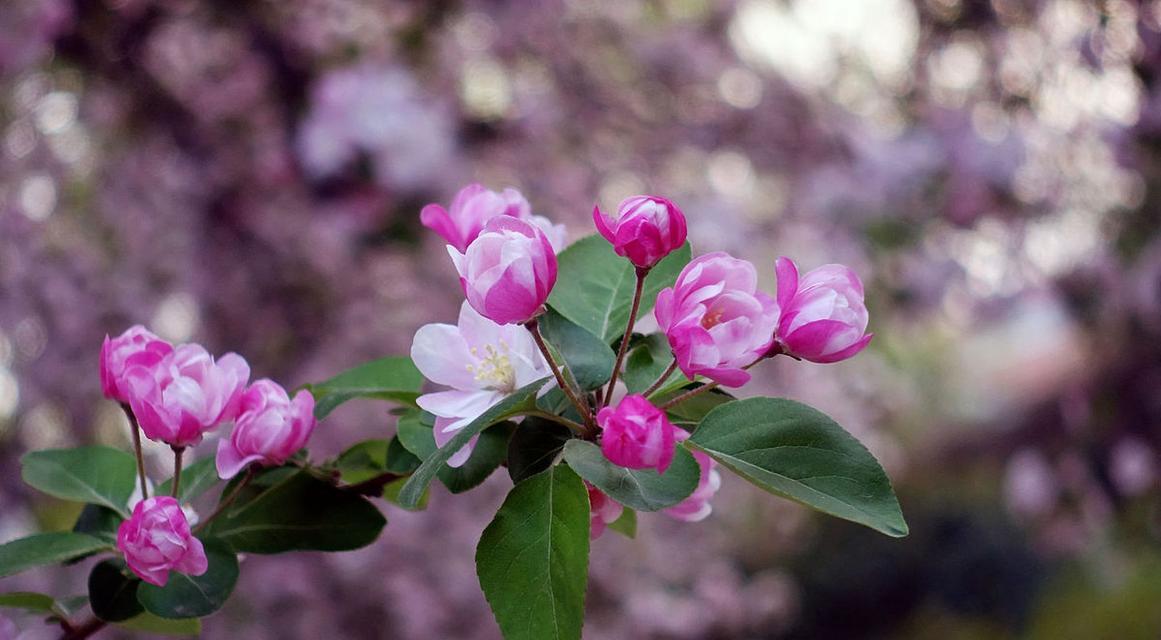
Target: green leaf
(595, 286)
(28, 601)
(691, 412)
(415, 432)
(640, 489)
(46, 548)
(533, 558)
(534, 447)
(196, 479)
(393, 379)
(399, 460)
(186, 596)
(149, 623)
(649, 356)
(391, 494)
(797, 452)
(113, 591)
(523, 399)
(626, 525)
(588, 357)
(100, 475)
(100, 522)
(362, 461)
(299, 513)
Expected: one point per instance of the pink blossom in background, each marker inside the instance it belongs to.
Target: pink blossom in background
(637, 435)
(483, 362)
(604, 511)
(508, 270)
(156, 539)
(136, 346)
(697, 506)
(8, 629)
(270, 428)
(474, 206)
(186, 394)
(716, 320)
(645, 229)
(823, 318)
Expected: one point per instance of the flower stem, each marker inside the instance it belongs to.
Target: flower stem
(581, 406)
(676, 400)
(660, 381)
(177, 453)
(225, 502)
(641, 273)
(136, 429)
(575, 426)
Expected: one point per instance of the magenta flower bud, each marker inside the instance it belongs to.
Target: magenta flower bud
(186, 394)
(270, 428)
(645, 229)
(716, 320)
(603, 511)
(637, 435)
(474, 206)
(137, 346)
(697, 506)
(823, 318)
(156, 539)
(507, 271)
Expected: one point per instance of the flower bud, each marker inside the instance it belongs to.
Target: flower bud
(270, 428)
(474, 206)
(186, 394)
(603, 511)
(716, 320)
(645, 229)
(823, 318)
(156, 539)
(637, 435)
(137, 346)
(508, 271)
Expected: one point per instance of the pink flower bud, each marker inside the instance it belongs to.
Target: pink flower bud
(823, 315)
(645, 229)
(508, 271)
(637, 435)
(270, 428)
(716, 320)
(186, 394)
(137, 346)
(474, 206)
(603, 511)
(156, 539)
(697, 506)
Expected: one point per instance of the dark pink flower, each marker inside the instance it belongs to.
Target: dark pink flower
(823, 318)
(645, 229)
(156, 539)
(270, 428)
(137, 346)
(637, 435)
(508, 271)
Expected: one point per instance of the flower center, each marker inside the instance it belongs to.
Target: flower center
(494, 368)
(711, 319)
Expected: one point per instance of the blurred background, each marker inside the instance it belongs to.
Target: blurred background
(249, 173)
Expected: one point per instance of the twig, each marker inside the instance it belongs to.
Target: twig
(136, 428)
(660, 381)
(641, 273)
(581, 406)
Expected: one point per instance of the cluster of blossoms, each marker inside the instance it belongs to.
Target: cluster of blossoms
(717, 322)
(175, 395)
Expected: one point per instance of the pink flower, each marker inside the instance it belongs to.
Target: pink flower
(697, 507)
(716, 320)
(137, 346)
(483, 363)
(645, 229)
(156, 539)
(823, 315)
(270, 428)
(604, 511)
(474, 206)
(637, 435)
(507, 271)
(186, 394)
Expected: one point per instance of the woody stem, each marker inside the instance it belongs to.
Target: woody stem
(581, 406)
(641, 273)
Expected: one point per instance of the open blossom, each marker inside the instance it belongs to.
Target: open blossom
(697, 506)
(483, 362)
(645, 229)
(823, 318)
(508, 271)
(270, 428)
(603, 511)
(137, 346)
(186, 394)
(156, 539)
(637, 435)
(474, 206)
(716, 320)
